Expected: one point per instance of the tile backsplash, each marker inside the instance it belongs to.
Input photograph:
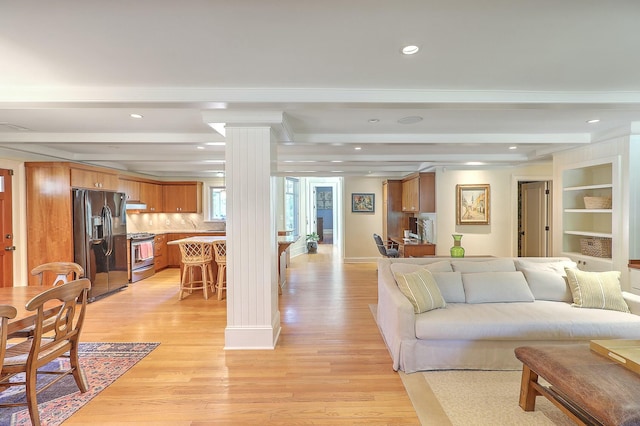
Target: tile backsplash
(170, 222)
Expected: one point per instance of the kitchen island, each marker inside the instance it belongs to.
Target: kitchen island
(209, 239)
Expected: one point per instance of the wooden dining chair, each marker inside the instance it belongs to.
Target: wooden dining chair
(220, 252)
(62, 272)
(31, 354)
(196, 254)
(7, 312)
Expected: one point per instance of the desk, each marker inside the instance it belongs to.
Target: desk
(417, 249)
(18, 297)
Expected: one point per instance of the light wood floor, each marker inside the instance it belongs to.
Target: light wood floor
(330, 366)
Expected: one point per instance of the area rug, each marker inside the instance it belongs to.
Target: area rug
(473, 397)
(102, 363)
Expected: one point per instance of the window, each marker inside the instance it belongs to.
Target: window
(217, 203)
(292, 205)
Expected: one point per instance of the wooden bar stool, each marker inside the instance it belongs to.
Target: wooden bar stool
(220, 251)
(196, 255)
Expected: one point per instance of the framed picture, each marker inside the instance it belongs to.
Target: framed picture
(472, 204)
(363, 203)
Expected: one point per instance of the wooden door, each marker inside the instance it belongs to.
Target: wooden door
(6, 229)
(535, 221)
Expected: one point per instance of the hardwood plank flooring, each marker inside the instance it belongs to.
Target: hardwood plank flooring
(330, 365)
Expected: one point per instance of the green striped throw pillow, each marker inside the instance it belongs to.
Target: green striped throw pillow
(421, 289)
(600, 290)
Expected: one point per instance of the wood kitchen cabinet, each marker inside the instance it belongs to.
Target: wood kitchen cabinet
(131, 188)
(151, 195)
(92, 179)
(394, 221)
(160, 252)
(182, 197)
(411, 194)
(49, 214)
(419, 193)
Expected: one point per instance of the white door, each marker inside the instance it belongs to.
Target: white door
(535, 221)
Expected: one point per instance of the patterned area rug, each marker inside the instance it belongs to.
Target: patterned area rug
(102, 363)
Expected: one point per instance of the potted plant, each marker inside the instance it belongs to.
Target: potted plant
(312, 242)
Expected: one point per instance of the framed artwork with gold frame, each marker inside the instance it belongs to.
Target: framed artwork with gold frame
(473, 204)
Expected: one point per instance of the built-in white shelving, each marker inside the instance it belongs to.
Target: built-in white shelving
(592, 179)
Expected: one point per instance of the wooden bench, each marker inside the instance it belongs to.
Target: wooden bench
(590, 388)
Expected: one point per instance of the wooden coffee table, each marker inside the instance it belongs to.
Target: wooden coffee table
(590, 388)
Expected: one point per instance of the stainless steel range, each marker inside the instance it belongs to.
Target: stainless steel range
(142, 249)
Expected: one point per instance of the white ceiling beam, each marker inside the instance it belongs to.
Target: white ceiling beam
(209, 97)
(421, 138)
(109, 138)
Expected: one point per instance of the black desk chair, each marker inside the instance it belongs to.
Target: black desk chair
(387, 250)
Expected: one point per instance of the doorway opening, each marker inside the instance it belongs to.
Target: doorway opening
(324, 214)
(325, 209)
(534, 218)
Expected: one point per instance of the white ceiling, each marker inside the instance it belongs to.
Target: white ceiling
(490, 75)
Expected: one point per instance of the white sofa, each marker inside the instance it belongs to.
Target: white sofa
(473, 331)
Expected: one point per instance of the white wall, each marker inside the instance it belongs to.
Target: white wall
(359, 227)
(499, 238)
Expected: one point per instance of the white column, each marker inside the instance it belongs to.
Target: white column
(253, 318)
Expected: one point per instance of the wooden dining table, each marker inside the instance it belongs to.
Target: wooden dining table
(18, 298)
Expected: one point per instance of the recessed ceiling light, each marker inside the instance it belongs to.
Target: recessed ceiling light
(593, 121)
(410, 50)
(374, 120)
(474, 163)
(337, 171)
(214, 161)
(336, 161)
(410, 120)
(199, 147)
(135, 115)
(513, 147)
(220, 174)
(216, 143)
(358, 148)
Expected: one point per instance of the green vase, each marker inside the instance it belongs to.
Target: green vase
(457, 250)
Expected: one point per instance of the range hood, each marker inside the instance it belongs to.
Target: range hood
(136, 205)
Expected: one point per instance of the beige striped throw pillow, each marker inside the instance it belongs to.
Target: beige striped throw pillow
(600, 290)
(421, 289)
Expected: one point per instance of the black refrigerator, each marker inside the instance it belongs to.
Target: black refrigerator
(100, 239)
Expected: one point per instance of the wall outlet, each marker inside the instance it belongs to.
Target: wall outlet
(150, 222)
(168, 222)
(183, 222)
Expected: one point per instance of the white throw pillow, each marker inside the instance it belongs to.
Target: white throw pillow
(548, 285)
(421, 290)
(404, 268)
(442, 266)
(600, 290)
(498, 265)
(450, 285)
(494, 287)
(556, 266)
